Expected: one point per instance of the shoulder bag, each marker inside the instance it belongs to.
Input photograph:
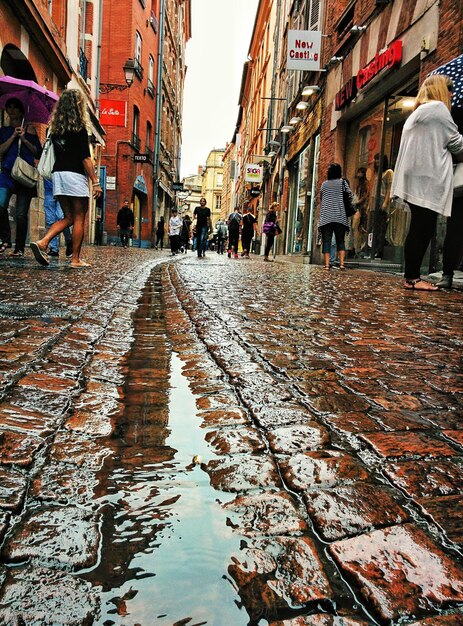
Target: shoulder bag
(23, 172)
(348, 204)
(47, 160)
(458, 180)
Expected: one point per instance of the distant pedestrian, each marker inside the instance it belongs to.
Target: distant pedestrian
(221, 232)
(271, 229)
(16, 138)
(98, 232)
(234, 228)
(125, 223)
(175, 227)
(248, 229)
(160, 232)
(423, 176)
(54, 213)
(333, 218)
(185, 233)
(73, 167)
(203, 226)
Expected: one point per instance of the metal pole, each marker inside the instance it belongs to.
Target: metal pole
(157, 136)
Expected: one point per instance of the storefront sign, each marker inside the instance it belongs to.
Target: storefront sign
(255, 192)
(140, 158)
(346, 94)
(140, 185)
(111, 183)
(113, 112)
(303, 50)
(253, 173)
(388, 59)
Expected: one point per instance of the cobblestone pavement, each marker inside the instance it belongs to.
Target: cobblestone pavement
(331, 404)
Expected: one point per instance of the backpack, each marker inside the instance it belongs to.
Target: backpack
(268, 228)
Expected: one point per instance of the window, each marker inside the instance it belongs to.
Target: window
(136, 128)
(138, 52)
(218, 202)
(148, 151)
(150, 87)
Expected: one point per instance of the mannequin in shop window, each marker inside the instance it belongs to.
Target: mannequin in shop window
(360, 217)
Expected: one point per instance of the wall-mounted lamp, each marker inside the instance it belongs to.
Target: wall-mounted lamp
(286, 129)
(300, 106)
(356, 30)
(335, 60)
(309, 90)
(295, 120)
(271, 154)
(129, 73)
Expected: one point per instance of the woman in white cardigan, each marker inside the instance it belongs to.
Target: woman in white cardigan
(424, 174)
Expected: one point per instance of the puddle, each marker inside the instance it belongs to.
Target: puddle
(166, 546)
(34, 310)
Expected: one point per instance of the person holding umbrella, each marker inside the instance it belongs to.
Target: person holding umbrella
(16, 139)
(72, 170)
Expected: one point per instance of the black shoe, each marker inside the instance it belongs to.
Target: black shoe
(445, 282)
(53, 253)
(68, 250)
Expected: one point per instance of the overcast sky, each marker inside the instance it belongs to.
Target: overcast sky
(215, 55)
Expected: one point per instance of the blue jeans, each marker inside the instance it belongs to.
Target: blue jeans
(23, 202)
(54, 213)
(202, 240)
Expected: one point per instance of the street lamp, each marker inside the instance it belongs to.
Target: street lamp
(295, 120)
(129, 73)
(300, 106)
(309, 90)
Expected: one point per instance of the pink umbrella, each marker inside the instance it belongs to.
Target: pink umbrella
(38, 102)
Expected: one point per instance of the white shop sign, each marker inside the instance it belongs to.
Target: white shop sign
(253, 173)
(304, 47)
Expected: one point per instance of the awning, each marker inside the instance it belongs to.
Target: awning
(140, 185)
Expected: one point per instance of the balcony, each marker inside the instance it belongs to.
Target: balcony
(83, 64)
(150, 88)
(138, 69)
(136, 142)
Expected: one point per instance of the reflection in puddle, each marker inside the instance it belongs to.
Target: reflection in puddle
(166, 545)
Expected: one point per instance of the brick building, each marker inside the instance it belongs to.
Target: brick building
(143, 122)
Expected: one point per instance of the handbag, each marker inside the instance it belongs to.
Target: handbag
(47, 160)
(348, 204)
(23, 172)
(458, 180)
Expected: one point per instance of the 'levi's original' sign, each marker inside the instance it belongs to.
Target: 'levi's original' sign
(385, 60)
(304, 50)
(253, 173)
(113, 112)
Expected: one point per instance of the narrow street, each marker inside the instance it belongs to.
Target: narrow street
(228, 442)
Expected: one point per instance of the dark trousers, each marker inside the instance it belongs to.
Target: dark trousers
(422, 228)
(270, 238)
(327, 233)
(202, 240)
(453, 243)
(23, 202)
(174, 243)
(381, 228)
(233, 238)
(246, 239)
(220, 245)
(124, 233)
(159, 239)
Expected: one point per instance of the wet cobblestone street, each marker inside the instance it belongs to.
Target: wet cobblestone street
(228, 442)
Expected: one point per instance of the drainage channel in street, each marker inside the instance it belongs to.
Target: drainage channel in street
(166, 546)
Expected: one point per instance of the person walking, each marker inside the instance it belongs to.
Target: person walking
(16, 139)
(423, 176)
(271, 229)
(72, 170)
(333, 218)
(203, 226)
(234, 227)
(125, 223)
(185, 233)
(221, 232)
(175, 227)
(160, 232)
(248, 229)
(54, 213)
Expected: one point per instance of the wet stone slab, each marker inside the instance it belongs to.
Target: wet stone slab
(33, 595)
(298, 438)
(279, 573)
(231, 416)
(59, 482)
(267, 513)
(239, 473)
(352, 509)
(455, 436)
(67, 537)
(447, 512)
(321, 469)
(353, 423)
(75, 449)
(337, 403)
(274, 414)
(18, 448)
(419, 478)
(13, 487)
(408, 444)
(236, 440)
(400, 571)
(55, 384)
(441, 620)
(321, 619)
(30, 421)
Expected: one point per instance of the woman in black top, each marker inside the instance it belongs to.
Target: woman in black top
(73, 167)
(271, 228)
(247, 231)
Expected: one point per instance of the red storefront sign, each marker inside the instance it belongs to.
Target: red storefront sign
(113, 112)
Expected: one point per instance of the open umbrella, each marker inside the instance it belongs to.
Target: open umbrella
(38, 102)
(454, 70)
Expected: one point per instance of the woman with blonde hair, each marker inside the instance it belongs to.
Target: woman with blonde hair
(424, 175)
(72, 170)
